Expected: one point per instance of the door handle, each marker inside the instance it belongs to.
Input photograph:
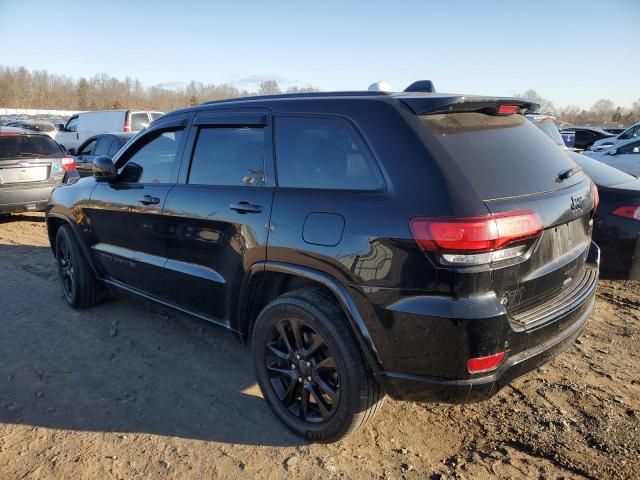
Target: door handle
(245, 207)
(149, 200)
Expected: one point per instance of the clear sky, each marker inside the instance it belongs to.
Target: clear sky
(572, 52)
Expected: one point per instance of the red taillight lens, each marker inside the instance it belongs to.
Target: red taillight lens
(9, 134)
(68, 163)
(596, 196)
(485, 364)
(475, 234)
(508, 109)
(632, 212)
(127, 128)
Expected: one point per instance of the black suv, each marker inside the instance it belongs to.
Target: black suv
(431, 247)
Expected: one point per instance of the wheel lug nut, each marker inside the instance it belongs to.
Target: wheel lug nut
(300, 379)
(309, 379)
(298, 357)
(308, 364)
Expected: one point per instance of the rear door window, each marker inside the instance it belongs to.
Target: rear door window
(228, 157)
(87, 148)
(502, 156)
(323, 153)
(104, 143)
(139, 120)
(116, 145)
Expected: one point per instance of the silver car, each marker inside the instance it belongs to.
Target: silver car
(629, 134)
(624, 156)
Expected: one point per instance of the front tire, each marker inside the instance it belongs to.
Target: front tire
(310, 368)
(79, 284)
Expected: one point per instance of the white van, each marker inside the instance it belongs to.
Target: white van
(86, 124)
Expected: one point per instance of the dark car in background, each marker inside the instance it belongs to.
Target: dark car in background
(584, 137)
(617, 219)
(432, 247)
(31, 166)
(106, 144)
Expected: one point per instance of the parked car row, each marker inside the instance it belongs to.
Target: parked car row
(617, 219)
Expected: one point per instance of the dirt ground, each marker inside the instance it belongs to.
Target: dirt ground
(132, 390)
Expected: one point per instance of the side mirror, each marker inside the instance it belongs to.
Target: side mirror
(613, 152)
(103, 169)
(60, 127)
(72, 152)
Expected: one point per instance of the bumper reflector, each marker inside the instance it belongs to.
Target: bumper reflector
(485, 364)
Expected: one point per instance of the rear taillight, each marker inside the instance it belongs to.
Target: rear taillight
(632, 212)
(596, 196)
(485, 364)
(477, 240)
(127, 128)
(68, 163)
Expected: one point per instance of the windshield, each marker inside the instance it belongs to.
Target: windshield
(551, 130)
(601, 173)
(28, 146)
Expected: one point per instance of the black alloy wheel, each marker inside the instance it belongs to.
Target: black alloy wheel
(302, 370)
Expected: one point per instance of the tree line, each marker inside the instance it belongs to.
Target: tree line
(602, 112)
(38, 89)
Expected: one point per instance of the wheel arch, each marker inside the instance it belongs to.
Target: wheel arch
(54, 222)
(304, 277)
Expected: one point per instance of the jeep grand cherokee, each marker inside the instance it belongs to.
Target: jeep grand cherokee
(431, 247)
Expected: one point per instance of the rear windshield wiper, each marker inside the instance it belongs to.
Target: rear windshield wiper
(568, 173)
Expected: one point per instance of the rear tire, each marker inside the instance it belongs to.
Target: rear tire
(326, 393)
(80, 286)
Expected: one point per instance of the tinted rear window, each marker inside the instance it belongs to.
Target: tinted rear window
(324, 153)
(23, 146)
(502, 156)
(228, 156)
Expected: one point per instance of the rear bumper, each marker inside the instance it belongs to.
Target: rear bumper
(25, 198)
(425, 342)
(421, 388)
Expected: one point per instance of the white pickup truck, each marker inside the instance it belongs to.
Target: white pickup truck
(86, 124)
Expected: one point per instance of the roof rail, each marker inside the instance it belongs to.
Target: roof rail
(355, 93)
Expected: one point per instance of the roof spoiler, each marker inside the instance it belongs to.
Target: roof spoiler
(421, 86)
(426, 105)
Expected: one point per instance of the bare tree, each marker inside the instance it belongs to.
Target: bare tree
(546, 106)
(269, 87)
(603, 110)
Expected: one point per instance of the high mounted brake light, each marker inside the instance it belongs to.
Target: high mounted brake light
(477, 240)
(127, 128)
(10, 134)
(508, 109)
